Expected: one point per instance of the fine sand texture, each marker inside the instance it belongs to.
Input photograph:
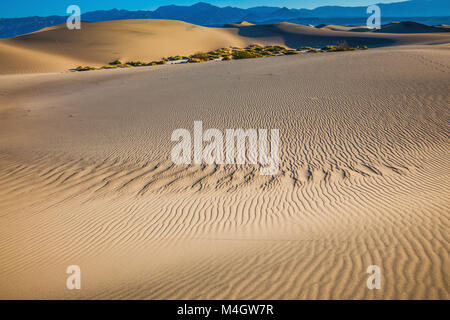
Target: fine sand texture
(58, 49)
(86, 179)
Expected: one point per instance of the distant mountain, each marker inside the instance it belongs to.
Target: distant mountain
(413, 8)
(423, 11)
(200, 13)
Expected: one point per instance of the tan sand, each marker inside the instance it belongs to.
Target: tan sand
(58, 49)
(86, 179)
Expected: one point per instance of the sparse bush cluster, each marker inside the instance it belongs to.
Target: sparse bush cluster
(137, 63)
(86, 68)
(226, 54)
(245, 54)
(308, 49)
(342, 47)
(201, 56)
(337, 48)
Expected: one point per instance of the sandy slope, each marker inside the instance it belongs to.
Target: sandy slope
(58, 49)
(85, 179)
(394, 27)
(102, 42)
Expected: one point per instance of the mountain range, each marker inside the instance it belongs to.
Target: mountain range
(423, 11)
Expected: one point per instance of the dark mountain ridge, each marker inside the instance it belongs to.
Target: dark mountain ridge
(422, 11)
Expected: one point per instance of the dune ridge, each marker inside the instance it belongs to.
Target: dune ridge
(57, 49)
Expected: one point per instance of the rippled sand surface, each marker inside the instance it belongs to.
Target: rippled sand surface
(86, 179)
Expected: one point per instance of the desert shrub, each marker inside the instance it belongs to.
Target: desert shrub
(330, 48)
(364, 48)
(274, 49)
(226, 58)
(115, 62)
(201, 56)
(85, 68)
(268, 53)
(224, 51)
(213, 56)
(110, 67)
(254, 47)
(309, 49)
(194, 60)
(244, 54)
(136, 63)
(342, 47)
(291, 52)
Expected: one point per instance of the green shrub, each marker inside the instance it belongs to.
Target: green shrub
(252, 51)
(200, 56)
(86, 68)
(268, 53)
(223, 51)
(333, 48)
(254, 48)
(213, 56)
(329, 48)
(291, 52)
(274, 49)
(110, 67)
(136, 63)
(244, 54)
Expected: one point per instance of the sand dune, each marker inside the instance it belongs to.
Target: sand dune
(238, 24)
(410, 27)
(394, 27)
(99, 43)
(58, 49)
(86, 178)
(334, 27)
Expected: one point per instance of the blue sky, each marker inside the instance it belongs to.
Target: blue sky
(25, 8)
